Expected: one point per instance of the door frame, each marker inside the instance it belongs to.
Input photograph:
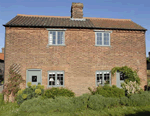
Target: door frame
(118, 76)
(27, 74)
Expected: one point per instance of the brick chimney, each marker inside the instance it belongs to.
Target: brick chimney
(2, 50)
(77, 10)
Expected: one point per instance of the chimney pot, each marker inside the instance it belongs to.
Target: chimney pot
(77, 10)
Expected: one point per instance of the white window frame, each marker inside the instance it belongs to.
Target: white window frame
(102, 32)
(56, 31)
(56, 72)
(102, 72)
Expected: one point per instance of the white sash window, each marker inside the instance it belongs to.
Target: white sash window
(56, 37)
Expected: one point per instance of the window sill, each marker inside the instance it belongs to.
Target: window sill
(56, 45)
(103, 45)
(56, 86)
(104, 84)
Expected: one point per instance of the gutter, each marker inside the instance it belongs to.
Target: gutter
(74, 27)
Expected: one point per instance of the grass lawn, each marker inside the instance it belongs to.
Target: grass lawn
(11, 109)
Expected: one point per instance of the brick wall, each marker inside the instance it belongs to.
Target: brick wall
(79, 59)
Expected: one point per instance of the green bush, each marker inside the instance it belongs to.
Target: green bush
(59, 104)
(36, 105)
(142, 99)
(54, 92)
(29, 93)
(64, 104)
(81, 101)
(98, 102)
(108, 91)
(1, 99)
(125, 101)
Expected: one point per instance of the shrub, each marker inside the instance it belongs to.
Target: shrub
(38, 91)
(125, 101)
(29, 93)
(81, 101)
(114, 86)
(59, 104)
(64, 104)
(108, 91)
(131, 88)
(142, 99)
(24, 96)
(54, 92)
(98, 102)
(1, 99)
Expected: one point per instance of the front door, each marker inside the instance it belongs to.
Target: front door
(120, 79)
(34, 76)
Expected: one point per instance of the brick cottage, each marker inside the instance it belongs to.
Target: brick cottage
(74, 52)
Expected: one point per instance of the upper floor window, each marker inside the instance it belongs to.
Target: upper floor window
(102, 38)
(56, 37)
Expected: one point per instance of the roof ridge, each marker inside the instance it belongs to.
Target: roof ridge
(70, 17)
(42, 16)
(107, 18)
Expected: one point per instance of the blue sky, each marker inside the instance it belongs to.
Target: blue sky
(136, 10)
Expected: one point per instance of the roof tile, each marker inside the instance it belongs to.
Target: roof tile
(53, 21)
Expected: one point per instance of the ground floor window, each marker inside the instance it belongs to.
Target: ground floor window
(55, 78)
(103, 77)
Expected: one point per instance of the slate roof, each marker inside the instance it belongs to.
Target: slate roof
(55, 21)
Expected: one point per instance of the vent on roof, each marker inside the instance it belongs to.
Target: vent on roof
(77, 10)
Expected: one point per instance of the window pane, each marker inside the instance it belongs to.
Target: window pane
(54, 37)
(51, 79)
(106, 38)
(50, 37)
(34, 78)
(99, 79)
(60, 37)
(59, 79)
(99, 38)
(122, 76)
(106, 77)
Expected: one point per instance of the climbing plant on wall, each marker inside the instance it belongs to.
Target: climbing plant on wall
(130, 74)
(13, 83)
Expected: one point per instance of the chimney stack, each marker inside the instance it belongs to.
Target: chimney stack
(2, 50)
(77, 10)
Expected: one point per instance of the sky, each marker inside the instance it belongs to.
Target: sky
(136, 10)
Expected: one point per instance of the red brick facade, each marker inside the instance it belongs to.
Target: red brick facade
(79, 59)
